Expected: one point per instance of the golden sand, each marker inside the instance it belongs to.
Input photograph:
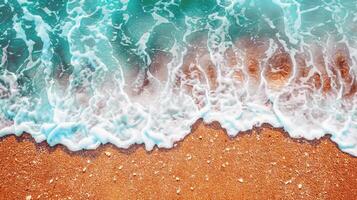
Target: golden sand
(260, 164)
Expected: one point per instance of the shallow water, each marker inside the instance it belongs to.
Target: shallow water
(89, 72)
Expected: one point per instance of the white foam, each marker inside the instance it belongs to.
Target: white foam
(93, 105)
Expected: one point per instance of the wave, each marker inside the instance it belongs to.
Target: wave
(89, 72)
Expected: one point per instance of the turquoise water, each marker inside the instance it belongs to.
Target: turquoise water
(86, 72)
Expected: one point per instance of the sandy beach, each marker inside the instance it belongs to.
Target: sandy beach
(263, 163)
(139, 75)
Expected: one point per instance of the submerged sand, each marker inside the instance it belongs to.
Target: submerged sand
(263, 163)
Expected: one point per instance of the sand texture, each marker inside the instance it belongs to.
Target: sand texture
(260, 164)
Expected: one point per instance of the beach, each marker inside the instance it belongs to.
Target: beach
(263, 163)
(183, 99)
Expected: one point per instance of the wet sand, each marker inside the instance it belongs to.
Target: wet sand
(260, 164)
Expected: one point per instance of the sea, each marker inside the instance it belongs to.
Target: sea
(83, 73)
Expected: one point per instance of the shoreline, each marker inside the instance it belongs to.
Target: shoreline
(264, 162)
(214, 125)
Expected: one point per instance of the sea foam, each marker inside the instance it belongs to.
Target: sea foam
(85, 73)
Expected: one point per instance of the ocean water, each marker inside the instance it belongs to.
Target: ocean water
(88, 72)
